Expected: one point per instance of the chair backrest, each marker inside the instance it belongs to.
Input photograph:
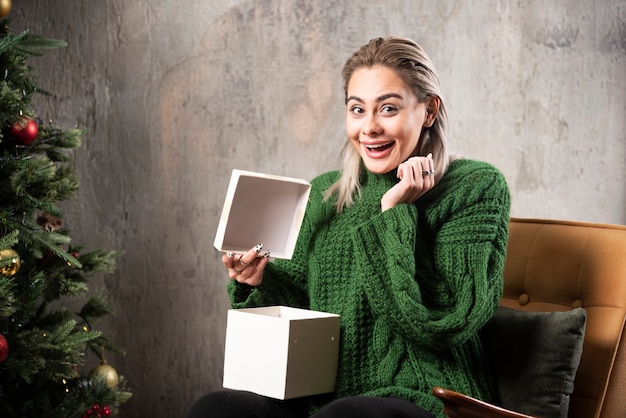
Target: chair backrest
(557, 265)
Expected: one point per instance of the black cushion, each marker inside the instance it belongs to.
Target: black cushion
(535, 356)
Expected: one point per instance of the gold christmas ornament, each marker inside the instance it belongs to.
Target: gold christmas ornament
(5, 7)
(10, 255)
(106, 372)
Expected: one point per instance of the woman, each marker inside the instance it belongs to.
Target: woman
(405, 243)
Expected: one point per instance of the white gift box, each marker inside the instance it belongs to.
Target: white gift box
(262, 209)
(281, 352)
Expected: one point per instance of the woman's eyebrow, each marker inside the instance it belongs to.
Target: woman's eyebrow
(389, 96)
(379, 99)
(358, 99)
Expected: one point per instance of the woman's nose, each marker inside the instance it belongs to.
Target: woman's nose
(371, 127)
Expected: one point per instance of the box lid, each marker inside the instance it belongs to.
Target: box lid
(262, 208)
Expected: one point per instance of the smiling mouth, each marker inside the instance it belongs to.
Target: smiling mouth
(379, 147)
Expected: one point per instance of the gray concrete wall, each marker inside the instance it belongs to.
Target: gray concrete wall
(174, 95)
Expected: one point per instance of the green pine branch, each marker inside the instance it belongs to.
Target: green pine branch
(49, 355)
(84, 393)
(10, 41)
(7, 297)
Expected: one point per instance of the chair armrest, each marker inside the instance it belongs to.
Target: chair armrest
(457, 405)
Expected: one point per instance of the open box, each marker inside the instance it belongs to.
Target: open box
(281, 352)
(262, 208)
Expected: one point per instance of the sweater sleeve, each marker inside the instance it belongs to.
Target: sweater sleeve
(277, 288)
(437, 277)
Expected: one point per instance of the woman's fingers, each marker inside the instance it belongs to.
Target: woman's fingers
(248, 267)
(417, 176)
(256, 274)
(244, 260)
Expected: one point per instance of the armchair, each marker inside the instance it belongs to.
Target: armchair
(555, 266)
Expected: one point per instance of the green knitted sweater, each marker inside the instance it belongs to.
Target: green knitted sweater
(413, 284)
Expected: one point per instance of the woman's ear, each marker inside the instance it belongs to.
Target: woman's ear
(432, 108)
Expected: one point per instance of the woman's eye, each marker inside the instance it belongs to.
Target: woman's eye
(356, 109)
(388, 109)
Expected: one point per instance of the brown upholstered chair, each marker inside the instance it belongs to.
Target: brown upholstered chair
(556, 266)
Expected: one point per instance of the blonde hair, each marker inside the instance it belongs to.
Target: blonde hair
(415, 68)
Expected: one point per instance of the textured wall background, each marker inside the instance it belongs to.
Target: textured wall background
(174, 95)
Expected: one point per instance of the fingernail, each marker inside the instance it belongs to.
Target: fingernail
(267, 254)
(230, 254)
(430, 155)
(258, 248)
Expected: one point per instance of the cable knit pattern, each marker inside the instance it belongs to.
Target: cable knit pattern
(413, 284)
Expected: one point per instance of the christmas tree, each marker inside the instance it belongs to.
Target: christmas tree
(43, 343)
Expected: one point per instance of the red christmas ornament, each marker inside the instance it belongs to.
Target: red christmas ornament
(25, 131)
(96, 411)
(4, 348)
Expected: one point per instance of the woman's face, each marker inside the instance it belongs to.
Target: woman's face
(384, 119)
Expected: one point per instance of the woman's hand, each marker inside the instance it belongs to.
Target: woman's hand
(416, 178)
(246, 268)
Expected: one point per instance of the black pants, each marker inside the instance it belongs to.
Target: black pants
(237, 404)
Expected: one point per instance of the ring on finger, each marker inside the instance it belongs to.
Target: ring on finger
(243, 263)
